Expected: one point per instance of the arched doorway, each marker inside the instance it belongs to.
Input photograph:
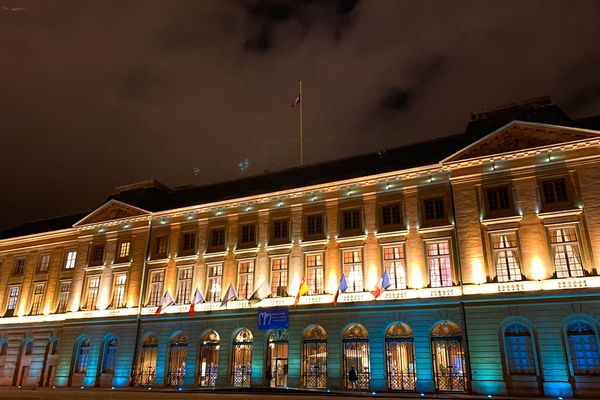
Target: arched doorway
(448, 357)
(23, 362)
(241, 362)
(277, 358)
(177, 360)
(314, 358)
(49, 363)
(146, 370)
(208, 359)
(356, 357)
(400, 357)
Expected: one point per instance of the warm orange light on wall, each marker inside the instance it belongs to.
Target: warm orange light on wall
(478, 274)
(416, 278)
(332, 284)
(537, 269)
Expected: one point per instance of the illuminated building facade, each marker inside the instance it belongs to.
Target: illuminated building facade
(491, 241)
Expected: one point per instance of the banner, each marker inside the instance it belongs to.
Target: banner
(272, 318)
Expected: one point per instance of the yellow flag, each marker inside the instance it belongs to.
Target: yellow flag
(302, 290)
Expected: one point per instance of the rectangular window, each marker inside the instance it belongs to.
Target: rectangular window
(184, 286)
(434, 208)
(160, 247)
(585, 356)
(555, 191)
(44, 263)
(351, 220)
(248, 234)
(439, 262)
(279, 230)
(97, 254)
(279, 276)
(498, 199)
(505, 255)
(70, 259)
(188, 243)
(390, 215)
(19, 266)
(37, 299)
(91, 295)
(63, 296)
(314, 225)
(118, 290)
(394, 262)
(213, 286)
(13, 298)
(353, 269)
(157, 279)
(314, 273)
(520, 354)
(565, 252)
(217, 238)
(245, 279)
(123, 251)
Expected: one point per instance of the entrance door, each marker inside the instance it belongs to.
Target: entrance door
(449, 364)
(277, 359)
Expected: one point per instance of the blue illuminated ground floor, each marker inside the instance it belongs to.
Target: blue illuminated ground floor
(541, 345)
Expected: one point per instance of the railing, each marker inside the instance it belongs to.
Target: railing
(144, 377)
(241, 376)
(315, 380)
(449, 380)
(401, 380)
(209, 378)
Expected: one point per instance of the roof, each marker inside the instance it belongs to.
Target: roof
(153, 196)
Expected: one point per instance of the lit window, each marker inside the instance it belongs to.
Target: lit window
(505, 253)
(245, 279)
(83, 354)
(353, 269)
(280, 230)
(314, 273)
(314, 225)
(109, 360)
(498, 199)
(184, 285)
(19, 266)
(583, 346)
(555, 191)
(565, 252)
(70, 259)
(215, 275)
(394, 262)
(351, 220)
(123, 251)
(156, 286)
(44, 263)
(248, 234)
(13, 297)
(160, 246)
(217, 238)
(519, 350)
(118, 299)
(63, 296)
(439, 262)
(97, 254)
(434, 208)
(93, 284)
(279, 276)
(188, 242)
(390, 215)
(37, 299)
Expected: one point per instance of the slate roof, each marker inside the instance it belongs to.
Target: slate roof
(158, 197)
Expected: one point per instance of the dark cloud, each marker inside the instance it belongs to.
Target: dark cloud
(101, 93)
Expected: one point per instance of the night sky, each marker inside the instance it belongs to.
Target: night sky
(95, 94)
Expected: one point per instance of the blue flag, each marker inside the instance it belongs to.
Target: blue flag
(230, 295)
(343, 283)
(385, 279)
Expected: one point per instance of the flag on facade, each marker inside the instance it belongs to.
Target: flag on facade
(302, 290)
(385, 279)
(341, 288)
(262, 292)
(230, 295)
(382, 284)
(295, 101)
(166, 301)
(197, 299)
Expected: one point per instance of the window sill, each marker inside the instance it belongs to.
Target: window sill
(437, 228)
(569, 212)
(491, 220)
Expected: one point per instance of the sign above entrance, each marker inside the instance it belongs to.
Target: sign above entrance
(272, 318)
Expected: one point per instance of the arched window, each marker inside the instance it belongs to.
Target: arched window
(109, 358)
(356, 362)
(277, 358)
(400, 357)
(583, 348)
(147, 364)
(241, 364)
(208, 359)
(177, 360)
(314, 360)
(82, 356)
(448, 357)
(519, 350)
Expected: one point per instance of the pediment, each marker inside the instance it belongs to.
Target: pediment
(518, 136)
(110, 211)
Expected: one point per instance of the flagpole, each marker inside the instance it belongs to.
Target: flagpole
(301, 133)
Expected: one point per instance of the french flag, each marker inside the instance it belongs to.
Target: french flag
(197, 299)
(382, 284)
(166, 301)
(341, 288)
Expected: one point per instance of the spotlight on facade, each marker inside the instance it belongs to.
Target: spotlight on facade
(422, 394)
(373, 393)
(112, 388)
(180, 389)
(81, 388)
(489, 396)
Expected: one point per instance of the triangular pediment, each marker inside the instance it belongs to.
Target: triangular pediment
(518, 136)
(110, 211)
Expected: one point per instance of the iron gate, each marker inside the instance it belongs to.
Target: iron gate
(241, 369)
(208, 363)
(449, 363)
(400, 363)
(356, 354)
(177, 364)
(314, 367)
